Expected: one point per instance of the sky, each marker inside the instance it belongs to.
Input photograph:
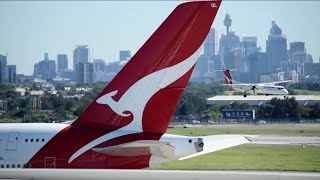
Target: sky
(31, 28)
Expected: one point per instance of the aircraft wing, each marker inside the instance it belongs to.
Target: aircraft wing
(241, 86)
(276, 82)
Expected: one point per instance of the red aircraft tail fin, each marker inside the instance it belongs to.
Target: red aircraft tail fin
(227, 76)
(144, 94)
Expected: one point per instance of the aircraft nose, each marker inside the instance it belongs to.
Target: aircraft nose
(286, 91)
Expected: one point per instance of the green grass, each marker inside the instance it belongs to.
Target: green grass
(213, 131)
(253, 157)
(306, 92)
(229, 92)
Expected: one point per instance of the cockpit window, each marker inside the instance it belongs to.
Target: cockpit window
(280, 88)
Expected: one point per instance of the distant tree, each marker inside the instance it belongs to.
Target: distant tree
(315, 112)
(69, 104)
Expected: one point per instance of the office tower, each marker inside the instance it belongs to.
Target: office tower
(84, 73)
(45, 68)
(62, 62)
(209, 48)
(12, 72)
(124, 55)
(80, 54)
(276, 49)
(204, 66)
(250, 45)
(69, 74)
(99, 65)
(298, 53)
(3, 69)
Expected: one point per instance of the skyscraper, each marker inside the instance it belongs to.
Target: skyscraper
(80, 54)
(124, 55)
(204, 66)
(209, 49)
(99, 65)
(250, 45)
(3, 69)
(84, 73)
(276, 49)
(62, 62)
(298, 53)
(45, 68)
(12, 72)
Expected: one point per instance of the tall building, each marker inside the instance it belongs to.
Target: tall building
(257, 66)
(45, 68)
(276, 49)
(12, 72)
(62, 62)
(99, 65)
(230, 41)
(209, 48)
(229, 45)
(124, 55)
(227, 22)
(205, 65)
(84, 73)
(80, 54)
(250, 45)
(3, 69)
(298, 53)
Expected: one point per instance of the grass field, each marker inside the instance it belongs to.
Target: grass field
(306, 92)
(254, 157)
(229, 92)
(251, 156)
(212, 131)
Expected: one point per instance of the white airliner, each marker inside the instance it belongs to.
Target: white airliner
(124, 127)
(260, 88)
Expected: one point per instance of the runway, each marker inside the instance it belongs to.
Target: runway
(285, 140)
(78, 174)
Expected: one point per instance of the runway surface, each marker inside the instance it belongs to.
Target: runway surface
(77, 174)
(285, 140)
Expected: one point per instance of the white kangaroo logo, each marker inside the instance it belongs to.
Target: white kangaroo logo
(135, 99)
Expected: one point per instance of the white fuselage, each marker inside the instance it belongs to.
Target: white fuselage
(261, 89)
(20, 142)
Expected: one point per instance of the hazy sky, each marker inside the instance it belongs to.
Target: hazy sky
(29, 29)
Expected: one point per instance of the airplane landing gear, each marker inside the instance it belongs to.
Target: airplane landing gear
(245, 94)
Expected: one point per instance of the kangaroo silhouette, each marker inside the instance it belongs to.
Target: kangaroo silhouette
(134, 100)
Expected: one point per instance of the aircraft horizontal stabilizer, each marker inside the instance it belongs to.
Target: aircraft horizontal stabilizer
(140, 148)
(218, 142)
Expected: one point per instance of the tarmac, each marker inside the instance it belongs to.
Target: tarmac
(84, 174)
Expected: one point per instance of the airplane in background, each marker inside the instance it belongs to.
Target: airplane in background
(261, 88)
(124, 127)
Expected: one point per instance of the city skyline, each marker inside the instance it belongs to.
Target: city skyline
(106, 29)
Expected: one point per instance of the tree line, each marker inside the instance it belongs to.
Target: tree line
(54, 107)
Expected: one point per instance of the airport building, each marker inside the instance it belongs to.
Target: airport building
(260, 99)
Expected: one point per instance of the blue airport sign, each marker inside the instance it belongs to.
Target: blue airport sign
(238, 114)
